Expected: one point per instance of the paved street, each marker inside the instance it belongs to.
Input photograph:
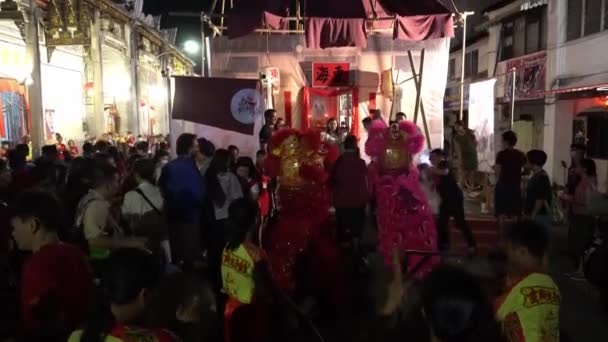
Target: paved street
(582, 318)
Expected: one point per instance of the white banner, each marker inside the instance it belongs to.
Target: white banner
(481, 120)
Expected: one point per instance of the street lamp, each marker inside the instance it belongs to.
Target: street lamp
(191, 47)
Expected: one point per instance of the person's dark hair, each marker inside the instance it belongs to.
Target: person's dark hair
(578, 147)
(142, 146)
(101, 146)
(219, 165)
(102, 174)
(350, 142)
(145, 168)
(49, 151)
(439, 152)
(268, 114)
(243, 216)
(180, 290)
(160, 154)
(375, 114)
(460, 123)
(206, 147)
(233, 148)
(102, 158)
(248, 163)
(456, 307)
(588, 165)
(132, 151)
(129, 271)
(114, 153)
(366, 121)
(41, 205)
(260, 153)
(330, 120)
(88, 149)
(510, 138)
(24, 149)
(530, 235)
(402, 114)
(184, 143)
(537, 157)
(16, 159)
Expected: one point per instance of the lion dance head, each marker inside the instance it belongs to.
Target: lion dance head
(300, 158)
(395, 146)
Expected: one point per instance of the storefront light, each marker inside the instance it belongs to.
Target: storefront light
(156, 92)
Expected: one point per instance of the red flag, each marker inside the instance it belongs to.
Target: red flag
(225, 103)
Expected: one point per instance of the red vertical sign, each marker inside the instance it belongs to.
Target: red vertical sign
(287, 102)
(372, 101)
(330, 74)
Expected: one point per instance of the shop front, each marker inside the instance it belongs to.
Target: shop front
(62, 93)
(529, 108)
(151, 92)
(119, 115)
(331, 96)
(14, 76)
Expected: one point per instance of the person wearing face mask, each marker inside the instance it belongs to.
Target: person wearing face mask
(161, 158)
(183, 190)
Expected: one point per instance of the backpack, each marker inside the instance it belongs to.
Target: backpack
(75, 233)
(152, 225)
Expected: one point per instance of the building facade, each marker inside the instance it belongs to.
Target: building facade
(83, 68)
(576, 107)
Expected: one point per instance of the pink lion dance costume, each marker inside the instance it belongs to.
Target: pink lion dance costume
(302, 162)
(404, 217)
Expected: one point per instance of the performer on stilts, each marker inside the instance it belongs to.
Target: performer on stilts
(403, 214)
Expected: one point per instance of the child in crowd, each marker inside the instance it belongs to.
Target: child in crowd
(529, 306)
(244, 275)
(131, 275)
(184, 305)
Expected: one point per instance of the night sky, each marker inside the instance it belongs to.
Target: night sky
(188, 28)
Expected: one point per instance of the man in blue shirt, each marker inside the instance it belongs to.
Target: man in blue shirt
(183, 190)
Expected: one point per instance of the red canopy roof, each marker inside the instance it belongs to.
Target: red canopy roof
(335, 23)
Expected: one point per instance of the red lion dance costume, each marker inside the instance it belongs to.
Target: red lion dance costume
(301, 161)
(404, 217)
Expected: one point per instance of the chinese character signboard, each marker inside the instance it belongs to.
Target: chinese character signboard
(530, 77)
(451, 100)
(330, 74)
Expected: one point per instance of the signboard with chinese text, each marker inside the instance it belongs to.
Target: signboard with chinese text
(330, 75)
(530, 75)
(273, 76)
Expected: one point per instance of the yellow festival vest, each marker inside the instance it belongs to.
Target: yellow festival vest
(530, 311)
(237, 273)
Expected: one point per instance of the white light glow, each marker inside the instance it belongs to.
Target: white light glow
(191, 47)
(156, 93)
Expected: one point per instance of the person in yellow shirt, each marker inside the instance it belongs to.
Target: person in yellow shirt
(244, 274)
(529, 307)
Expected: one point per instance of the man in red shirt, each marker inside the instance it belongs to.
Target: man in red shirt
(57, 285)
(351, 192)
